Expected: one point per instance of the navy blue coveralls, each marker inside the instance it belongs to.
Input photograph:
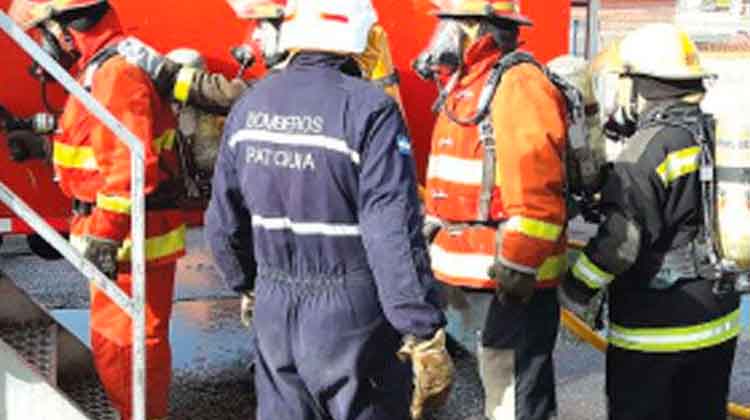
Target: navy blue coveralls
(315, 190)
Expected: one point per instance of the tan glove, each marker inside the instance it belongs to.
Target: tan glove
(247, 305)
(433, 372)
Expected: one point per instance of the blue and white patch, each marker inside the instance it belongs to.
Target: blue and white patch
(404, 145)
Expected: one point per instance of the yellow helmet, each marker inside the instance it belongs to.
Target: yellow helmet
(502, 9)
(660, 50)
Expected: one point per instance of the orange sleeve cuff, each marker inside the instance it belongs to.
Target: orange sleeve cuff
(530, 253)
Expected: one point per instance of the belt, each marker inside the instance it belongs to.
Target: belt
(154, 201)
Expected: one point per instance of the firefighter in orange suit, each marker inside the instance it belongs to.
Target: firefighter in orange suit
(495, 205)
(93, 167)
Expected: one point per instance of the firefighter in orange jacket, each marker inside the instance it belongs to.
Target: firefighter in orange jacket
(93, 167)
(495, 204)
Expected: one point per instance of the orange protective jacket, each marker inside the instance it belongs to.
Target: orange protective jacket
(93, 166)
(528, 118)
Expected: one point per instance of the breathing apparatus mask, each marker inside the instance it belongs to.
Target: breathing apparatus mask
(57, 41)
(444, 53)
(619, 97)
(263, 41)
(443, 59)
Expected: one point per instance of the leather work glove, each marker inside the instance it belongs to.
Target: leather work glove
(576, 297)
(430, 230)
(433, 372)
(24, 145)
(247, 306)
(513, 285)
(103, 254)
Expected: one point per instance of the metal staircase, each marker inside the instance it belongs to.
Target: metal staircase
(45, 372)
(48, 373)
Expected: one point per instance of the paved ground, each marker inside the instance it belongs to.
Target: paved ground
(210, 346)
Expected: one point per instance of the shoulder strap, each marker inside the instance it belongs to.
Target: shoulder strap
(487, 130)
(702, 128)
(505, 63)
(96, 63)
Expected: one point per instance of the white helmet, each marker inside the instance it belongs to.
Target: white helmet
(657, 50)
(327, 25)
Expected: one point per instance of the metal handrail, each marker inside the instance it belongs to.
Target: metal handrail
(135, 306)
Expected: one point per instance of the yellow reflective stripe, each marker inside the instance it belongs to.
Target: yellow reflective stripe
(589, 273)
(157, 246)
(679, 163)
(534, 228)
(677, 338)
(552, 268)
(74, 157)
(181, 90)
(113, 203)
(165, 141)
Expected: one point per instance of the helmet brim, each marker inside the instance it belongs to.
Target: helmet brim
(516, 18)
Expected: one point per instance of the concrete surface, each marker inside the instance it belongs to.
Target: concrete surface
(211, 378)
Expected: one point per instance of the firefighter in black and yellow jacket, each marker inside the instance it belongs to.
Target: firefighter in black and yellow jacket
(672, 338)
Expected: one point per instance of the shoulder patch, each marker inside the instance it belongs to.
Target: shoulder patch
(404, 145)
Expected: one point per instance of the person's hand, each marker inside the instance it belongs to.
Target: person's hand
(247, 306)
(430, 229)
(433, 372)
(24, 145)
(512, 285)
(103, 254)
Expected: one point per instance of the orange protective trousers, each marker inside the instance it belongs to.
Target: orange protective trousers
(111, 340)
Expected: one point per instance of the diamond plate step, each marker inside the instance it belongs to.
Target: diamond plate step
(89, 394)
(36, 342)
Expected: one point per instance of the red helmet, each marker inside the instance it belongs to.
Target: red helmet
(503, 9)
(258, 9)
(29, 13)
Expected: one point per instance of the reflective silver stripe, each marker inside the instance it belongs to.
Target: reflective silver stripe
(453, 169)
(428, 218)
(460, 265)
(288, 139)
(591, 274)
(676, 338)
(300, 228)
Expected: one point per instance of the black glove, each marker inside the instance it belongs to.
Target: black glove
(575, 296)
(24, 145)
(430, 230)
(103, 254)
(513, 285)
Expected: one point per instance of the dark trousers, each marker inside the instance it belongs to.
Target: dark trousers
(326, 352)
(515, 358)
(691, 385)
